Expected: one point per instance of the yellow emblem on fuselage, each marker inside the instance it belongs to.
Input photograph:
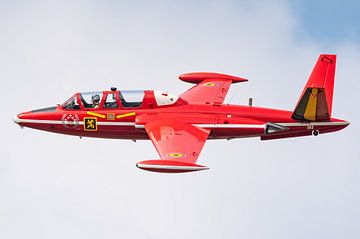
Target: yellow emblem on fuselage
(111, 116)
(90, 124)
(96, 114)
(125, 115)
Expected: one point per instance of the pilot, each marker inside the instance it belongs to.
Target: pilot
(71, 104)
(95, 101)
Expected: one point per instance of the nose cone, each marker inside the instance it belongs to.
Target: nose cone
(16, 119)
(34, 118)
(22, 118)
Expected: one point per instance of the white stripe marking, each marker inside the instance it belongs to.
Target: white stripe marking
(38, 121)
(256, 126)
(241, 126)
(314, 124)
(17, 120)
(117, 123)
(170, 167)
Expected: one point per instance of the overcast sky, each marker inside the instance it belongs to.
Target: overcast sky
(56, 186)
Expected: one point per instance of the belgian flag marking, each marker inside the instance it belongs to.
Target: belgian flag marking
(175, 155)
(210, 84)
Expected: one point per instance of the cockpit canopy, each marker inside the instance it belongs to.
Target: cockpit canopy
(120, 99)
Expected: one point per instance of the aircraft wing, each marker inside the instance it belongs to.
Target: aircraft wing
(211, 88)
(179, 145)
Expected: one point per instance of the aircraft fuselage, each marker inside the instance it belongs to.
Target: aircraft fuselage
(224, 121)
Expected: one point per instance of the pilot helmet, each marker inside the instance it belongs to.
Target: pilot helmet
(95, 98)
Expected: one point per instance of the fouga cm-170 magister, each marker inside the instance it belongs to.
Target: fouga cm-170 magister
(178, 126)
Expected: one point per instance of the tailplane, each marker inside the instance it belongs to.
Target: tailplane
(315, 102)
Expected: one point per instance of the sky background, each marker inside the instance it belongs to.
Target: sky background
(56, 186)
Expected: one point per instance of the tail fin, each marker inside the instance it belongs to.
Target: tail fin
(315, 102)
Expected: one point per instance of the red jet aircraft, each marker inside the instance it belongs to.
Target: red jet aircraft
(178, 126)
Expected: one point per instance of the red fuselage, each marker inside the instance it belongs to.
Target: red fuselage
(126, 122)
